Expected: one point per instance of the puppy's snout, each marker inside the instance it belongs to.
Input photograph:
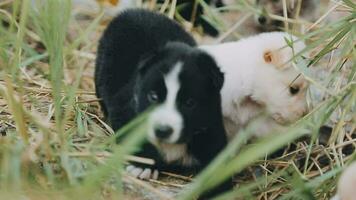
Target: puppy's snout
(163, 131)
(262, 20)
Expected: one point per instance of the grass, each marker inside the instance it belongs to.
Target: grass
(57, 145)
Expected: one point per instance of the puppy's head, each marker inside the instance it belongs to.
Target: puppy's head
(278, 86)
(275, 7)
(183, 84)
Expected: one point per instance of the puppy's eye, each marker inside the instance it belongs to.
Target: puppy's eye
(293, 90)
(152, 96)
(190, 103)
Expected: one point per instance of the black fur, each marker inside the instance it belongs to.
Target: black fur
(138, 48)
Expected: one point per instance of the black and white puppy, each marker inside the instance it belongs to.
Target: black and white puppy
(145, 59)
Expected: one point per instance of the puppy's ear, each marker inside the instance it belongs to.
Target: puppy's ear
(274, 58)
(209, 67)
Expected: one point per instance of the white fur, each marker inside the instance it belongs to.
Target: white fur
(176, 152)
(253, 87)
(347, 184)
(167, 113)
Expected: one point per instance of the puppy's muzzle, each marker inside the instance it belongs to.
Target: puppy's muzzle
(163, 132)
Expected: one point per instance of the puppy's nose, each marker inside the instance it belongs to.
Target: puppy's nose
(262, 20)
(163, 131)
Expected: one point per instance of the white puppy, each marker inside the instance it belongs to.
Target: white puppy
(346, 186)
(259, 79)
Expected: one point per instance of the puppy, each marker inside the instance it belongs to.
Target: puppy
(347, 182)
(308, 11)
(144, 60)
(259, 80)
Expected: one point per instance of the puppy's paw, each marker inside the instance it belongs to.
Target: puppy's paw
(142, 173)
